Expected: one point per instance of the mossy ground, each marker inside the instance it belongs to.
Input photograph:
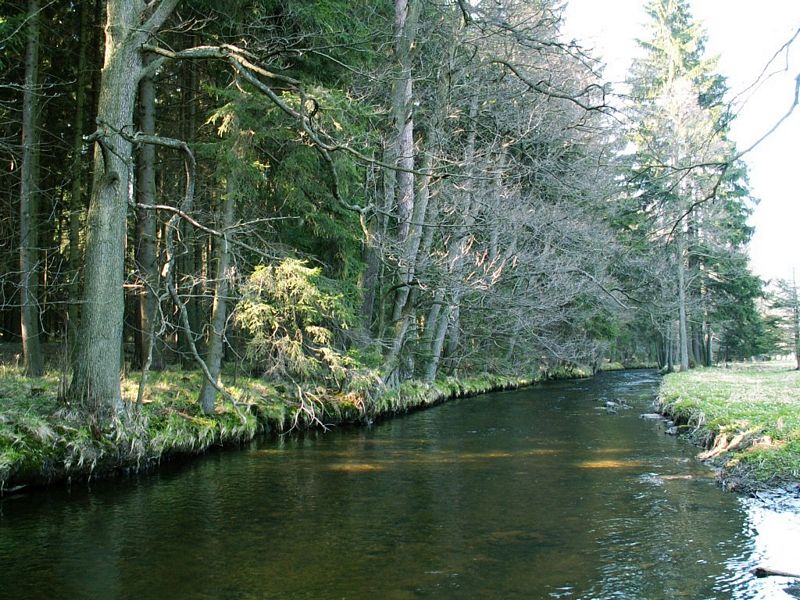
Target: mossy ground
(746, 415)
(43, 440)
(619, 366)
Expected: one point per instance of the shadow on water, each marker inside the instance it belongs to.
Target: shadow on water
(535, 493)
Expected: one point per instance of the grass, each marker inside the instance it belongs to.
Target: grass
(747, 416)
(619, 366)
(43, 440)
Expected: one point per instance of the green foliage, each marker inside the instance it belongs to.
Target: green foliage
(676, 48)
(41, 440)
(679, 210)
(744, 330)
(293, 315)
(785, 316)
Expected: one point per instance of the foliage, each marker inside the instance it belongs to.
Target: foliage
(510, 171)
(293, 316)
(685, 215)
(784, 305)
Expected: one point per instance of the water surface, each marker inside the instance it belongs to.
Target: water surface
(546, 492)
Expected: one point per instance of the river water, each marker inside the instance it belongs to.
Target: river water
(545, 492)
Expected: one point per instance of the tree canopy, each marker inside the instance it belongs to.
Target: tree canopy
(427, 189)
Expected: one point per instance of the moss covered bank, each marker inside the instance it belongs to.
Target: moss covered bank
(43, 440)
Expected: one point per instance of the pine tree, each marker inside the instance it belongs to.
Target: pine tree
(686, 187)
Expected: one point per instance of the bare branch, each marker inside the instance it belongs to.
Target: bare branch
(161, 11)
(545, 88)
(792, 107)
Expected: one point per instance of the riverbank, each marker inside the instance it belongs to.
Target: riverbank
(45, 441)
(746, 417)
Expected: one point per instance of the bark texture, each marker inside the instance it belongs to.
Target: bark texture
(219, 313)
(96, 371)
(146, 234)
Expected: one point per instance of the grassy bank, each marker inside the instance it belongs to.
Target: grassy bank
(43, 440)
(747, 417)
(627, 366)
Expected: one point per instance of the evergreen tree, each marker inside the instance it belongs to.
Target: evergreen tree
(685, 190)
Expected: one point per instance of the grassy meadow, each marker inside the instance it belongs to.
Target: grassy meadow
(746, 415)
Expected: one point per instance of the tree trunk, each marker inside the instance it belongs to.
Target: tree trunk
(216, 334)
(412, 242)
(370, 278)
(370, 254)
(669, 348)
(192, 242)
(77, 197)
(28, 217)
(146, 242)
(683, 337)
(439, 335)
(454, 335)
(402, 149)
(795, 310)
(96, 370)
(406, 14)
(430, 324)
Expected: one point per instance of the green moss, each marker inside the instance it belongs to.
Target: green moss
(43, 440)
(611, 366)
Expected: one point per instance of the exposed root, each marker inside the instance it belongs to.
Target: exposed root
(309, 405)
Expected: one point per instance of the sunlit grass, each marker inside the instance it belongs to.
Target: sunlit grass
(43, 438)
(748, 416)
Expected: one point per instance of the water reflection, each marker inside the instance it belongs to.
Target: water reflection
(773, 527)
(527, 494)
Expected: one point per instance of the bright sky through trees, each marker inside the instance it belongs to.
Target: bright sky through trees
(745, 35)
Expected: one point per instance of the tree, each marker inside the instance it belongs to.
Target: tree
(77, 169)
(28, 204)
(787, 302)
(687, 187)
(464, 145)
(219, 311)
(507, 121)
(96, 371)
(146, 232)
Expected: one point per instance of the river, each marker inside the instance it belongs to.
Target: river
(545, 492)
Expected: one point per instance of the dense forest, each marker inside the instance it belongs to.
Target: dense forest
(359, 193)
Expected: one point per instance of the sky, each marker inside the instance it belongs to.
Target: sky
(745, 34)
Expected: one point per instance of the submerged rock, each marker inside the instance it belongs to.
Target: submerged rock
(651, 416)
(793, 590)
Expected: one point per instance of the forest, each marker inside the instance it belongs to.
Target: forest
(352, 194)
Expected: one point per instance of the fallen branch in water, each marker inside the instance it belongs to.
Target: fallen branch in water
(764, 572)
